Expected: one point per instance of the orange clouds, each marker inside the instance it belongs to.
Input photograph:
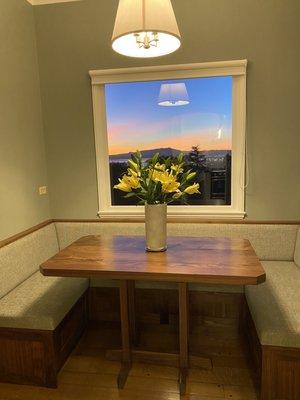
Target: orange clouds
(208, 141)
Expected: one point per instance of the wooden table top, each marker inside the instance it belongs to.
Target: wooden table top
(187, 259)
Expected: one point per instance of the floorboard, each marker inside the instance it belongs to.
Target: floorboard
(88, 375)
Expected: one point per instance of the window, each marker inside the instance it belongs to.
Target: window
(194, 109)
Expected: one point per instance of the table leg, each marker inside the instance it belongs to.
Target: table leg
(134, 336)
(125, 330)
(183, 336)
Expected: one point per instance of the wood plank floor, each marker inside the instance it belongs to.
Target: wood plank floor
(89, 375)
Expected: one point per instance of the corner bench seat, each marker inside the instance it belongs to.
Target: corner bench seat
(275, 304)
(40, 302)
(41, 318)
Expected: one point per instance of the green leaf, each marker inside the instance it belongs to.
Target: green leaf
(180, 158)
(154, 158)
(128, 195)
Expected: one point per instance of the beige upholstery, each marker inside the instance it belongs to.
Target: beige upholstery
(68, 232)
(22, 258)
(40, 302)
(297, 249)
(275, 304)
(271, 242)
(30, 300)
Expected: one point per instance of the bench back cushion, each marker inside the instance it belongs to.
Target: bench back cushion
(297, 250)
(23, 257)
(271, 242)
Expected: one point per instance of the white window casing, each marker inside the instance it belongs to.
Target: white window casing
(236, 69)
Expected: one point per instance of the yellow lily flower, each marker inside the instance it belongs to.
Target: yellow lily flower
(170, 186)
(177, 168)
(123, 186)
(127, 183)
(169, 183)
(158, 174)
(192, 189)
(161, 167)
(131, 181)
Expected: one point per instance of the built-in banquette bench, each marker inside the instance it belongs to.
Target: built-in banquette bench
(41, 318)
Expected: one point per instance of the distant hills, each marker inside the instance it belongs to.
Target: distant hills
(166, 152)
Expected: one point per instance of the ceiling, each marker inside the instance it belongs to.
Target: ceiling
(41, 2)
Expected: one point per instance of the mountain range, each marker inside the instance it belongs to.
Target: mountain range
(165, 152)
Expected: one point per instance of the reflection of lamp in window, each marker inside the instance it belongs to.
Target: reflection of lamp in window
(145, 28)
(173, 94)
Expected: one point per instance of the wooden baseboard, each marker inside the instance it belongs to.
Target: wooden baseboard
(34, 357)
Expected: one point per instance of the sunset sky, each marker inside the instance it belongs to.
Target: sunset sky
(136, 121)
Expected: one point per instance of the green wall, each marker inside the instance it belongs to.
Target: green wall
(22, 151)
(75, 37)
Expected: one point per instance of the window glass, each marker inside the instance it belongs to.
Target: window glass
(190, 116)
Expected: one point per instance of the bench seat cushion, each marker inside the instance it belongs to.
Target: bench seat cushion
(22, 258)
(275, 304)
(40, 302)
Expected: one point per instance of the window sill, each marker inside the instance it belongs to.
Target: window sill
(177, 213)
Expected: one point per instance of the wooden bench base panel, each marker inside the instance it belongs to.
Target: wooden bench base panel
(34, 357)
(278, 368)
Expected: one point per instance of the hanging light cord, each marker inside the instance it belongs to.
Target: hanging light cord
(144, 14)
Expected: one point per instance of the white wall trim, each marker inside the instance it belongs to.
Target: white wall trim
(42, 2)
(237, 69)
(174, 212)
(195, 70)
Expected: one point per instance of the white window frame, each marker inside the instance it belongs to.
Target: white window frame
(236, 69)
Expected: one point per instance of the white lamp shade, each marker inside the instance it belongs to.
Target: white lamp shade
(173, 94)
(145, 16)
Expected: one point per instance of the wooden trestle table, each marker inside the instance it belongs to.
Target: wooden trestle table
(187, 259)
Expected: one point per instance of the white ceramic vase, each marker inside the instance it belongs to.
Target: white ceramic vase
(156, 227)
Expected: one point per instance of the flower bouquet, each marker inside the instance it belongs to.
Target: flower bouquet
(155, 184)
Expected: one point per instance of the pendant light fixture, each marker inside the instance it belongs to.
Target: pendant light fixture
(145, 28)
(173, 94)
